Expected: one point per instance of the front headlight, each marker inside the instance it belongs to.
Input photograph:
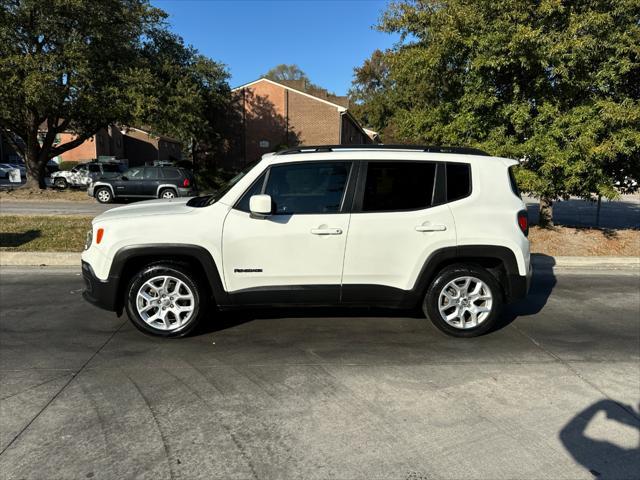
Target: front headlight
(87, 242)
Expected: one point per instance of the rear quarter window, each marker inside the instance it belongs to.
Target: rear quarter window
(171, 173)
(458, 181)
(513, 182)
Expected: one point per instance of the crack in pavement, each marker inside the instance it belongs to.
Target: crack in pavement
(67, 383)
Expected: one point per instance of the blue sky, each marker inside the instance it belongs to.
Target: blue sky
(326, 39)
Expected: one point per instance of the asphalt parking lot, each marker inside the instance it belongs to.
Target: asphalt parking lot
(322, 394)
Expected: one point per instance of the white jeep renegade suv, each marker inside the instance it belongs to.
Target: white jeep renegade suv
(389, 226)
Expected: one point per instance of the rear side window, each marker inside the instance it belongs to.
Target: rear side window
(309, 187)
(151, 173)
(171, 173)
(458, 181)
(512, 181)
(394, 185)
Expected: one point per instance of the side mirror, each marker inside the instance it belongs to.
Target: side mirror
(124, 177)
(260, 205)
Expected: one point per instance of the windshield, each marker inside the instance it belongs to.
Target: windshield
(210, 199)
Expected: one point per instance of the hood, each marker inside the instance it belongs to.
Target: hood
(161, 206)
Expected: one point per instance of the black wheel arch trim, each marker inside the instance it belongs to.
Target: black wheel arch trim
(170, 251)
(449, 255)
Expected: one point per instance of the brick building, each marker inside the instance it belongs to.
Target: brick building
(137, 145)
(280, 114)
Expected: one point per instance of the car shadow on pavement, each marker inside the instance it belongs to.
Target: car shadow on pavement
(229, 319)
(543, 282)
(602, 458)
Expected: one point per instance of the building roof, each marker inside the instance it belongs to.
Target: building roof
(341, 108)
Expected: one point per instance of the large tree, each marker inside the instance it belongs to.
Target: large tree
(67, 65)
(554, 83)
(80, 65)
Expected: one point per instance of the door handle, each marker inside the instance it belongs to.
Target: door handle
(326, 231)
(431, 228)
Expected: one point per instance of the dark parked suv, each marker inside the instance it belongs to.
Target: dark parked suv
(145, 182)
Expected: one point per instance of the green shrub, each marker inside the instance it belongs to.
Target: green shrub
(67, 165)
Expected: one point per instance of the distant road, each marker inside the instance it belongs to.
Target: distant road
(53, 208)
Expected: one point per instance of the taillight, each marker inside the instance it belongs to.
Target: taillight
(523, 222)
(186, 182)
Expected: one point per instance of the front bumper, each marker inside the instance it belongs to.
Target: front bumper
(101, 293)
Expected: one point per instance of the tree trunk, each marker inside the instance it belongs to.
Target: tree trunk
(545, 218)
(35, 163)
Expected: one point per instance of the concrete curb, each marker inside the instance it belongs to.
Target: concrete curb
(72, 259)
(545, 261)
(37, 259)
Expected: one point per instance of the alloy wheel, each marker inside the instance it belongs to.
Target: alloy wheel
(465, 302)
(104, 196)
(165, 303)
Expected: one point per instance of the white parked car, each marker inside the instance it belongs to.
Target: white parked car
(440, 228)
(83, 174)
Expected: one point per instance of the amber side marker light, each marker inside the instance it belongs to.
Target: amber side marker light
(99, 234)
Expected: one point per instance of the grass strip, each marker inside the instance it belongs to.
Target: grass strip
(43, 233)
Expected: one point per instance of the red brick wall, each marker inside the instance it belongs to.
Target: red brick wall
(315, 123)
(82, 153)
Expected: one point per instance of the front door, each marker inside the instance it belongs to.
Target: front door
(295, 254)
(130, 183)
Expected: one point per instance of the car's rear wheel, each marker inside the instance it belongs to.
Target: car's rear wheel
(164, 299)
(464, 301)
(167, 193)
(103, 195)
(60, 183)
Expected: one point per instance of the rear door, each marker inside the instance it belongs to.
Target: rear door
(395, 225)
(150, 182)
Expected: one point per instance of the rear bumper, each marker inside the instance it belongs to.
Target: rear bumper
(519, 285)
(101, 293)
(187, 192)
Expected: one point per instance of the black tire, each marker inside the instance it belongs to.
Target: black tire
(167, 191)
(174, 270)
(430, 304)
(103, 195)
(60, 183)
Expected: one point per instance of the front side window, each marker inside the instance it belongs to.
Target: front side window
(93, 168)
(393, 186)
(134, 173)
(255, 189)
(309, 187)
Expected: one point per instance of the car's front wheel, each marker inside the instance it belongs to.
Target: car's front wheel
(464, 301)
(103, 195)
(166, 300)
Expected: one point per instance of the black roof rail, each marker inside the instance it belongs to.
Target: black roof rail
(372, 146)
